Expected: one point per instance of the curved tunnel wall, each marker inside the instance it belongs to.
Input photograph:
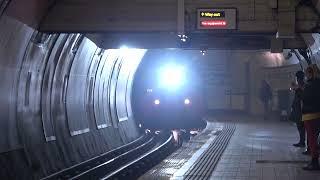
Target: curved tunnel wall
(63, 100)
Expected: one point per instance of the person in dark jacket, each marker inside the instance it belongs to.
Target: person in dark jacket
(311, 114)
(296, 110)
(265, 97)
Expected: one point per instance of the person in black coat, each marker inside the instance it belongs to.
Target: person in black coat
(296, 109)
(265, 95)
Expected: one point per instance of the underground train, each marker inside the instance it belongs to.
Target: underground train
(171, 97)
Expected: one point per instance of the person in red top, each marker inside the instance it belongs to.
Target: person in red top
(311, 114)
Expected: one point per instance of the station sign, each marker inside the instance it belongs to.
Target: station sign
(217, 18)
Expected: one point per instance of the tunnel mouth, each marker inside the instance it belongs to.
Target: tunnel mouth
(65, 100)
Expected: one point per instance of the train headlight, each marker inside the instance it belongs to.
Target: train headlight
(187, 101)
(156, 102)
(172, 77)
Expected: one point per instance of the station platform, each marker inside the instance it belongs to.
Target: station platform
(238, 148)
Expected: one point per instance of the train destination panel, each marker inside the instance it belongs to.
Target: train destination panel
(217, 18)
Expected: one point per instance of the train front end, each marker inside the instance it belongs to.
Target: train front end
(174, 100)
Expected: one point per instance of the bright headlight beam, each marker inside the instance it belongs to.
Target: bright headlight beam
(187, 101)
(157, 102)
(172, 76)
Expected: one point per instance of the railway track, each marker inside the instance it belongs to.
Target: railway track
(130, 160)
(139, 166)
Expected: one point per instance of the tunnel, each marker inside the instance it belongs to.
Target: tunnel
(63, 98)
(73, 87)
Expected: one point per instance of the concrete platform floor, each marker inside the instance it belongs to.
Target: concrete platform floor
(262, 150)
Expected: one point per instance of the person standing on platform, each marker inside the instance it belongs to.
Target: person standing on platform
(296, 110)
(265, 97)
(311, 114)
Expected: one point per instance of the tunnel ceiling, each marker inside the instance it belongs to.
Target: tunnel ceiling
(259, 24)
(196, 41)
(145, 24)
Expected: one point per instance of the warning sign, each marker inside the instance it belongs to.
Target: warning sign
(217, 18)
